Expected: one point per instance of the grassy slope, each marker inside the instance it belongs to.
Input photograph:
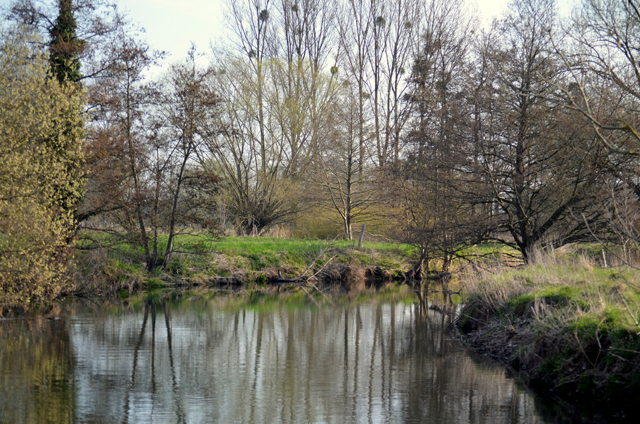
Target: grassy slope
(197, 259)
(567, 326)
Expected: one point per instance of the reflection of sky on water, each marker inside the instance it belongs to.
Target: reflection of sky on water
(197, 364)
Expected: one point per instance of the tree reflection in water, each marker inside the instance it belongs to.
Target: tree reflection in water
(364, 363)
(36, 372)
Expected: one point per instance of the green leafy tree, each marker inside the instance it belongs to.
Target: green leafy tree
(37, 116)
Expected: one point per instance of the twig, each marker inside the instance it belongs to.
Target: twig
(322, 252)
(633, 318)
(575, 333)
(624, 350)
(621, 358)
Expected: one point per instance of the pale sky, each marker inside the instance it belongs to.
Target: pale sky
(171, 25)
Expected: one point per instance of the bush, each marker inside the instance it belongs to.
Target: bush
(40, 133)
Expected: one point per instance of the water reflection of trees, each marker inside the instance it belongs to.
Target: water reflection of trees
(373, 363)
(461, 389)
(36, 372)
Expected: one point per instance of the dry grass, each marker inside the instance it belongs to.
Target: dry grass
(98, 273)
(564, 321)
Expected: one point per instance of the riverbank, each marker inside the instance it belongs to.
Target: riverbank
(567, 327)
(234, 264)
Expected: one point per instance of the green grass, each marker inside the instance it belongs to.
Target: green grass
(261, 253)
(197, 260)
(576, 293)
(292, 248)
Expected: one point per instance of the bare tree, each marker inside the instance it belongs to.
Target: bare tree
(344, 189)
(404, 28)
(186, 121)
(120, 102)
(252, 24)
(605, 75)
(377, 40)
(305, 35)
(355, 32)
(258, 193)
(145, 143)
(540, 166)
(602, 86)
(279, 89)
(431, 179)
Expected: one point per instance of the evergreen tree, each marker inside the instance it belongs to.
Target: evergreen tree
(64, 65)
(65, 46)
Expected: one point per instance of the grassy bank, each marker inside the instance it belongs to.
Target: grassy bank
(567, 326)
(200, 261)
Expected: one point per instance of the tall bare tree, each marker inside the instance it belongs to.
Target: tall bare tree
(541, 168)
(377, 42)
(254, 169)
(121, 101)
(185, 123)
(602, 85)
(344, 189)
(355, 32)
(432, 177)
(279, 89)
(305, 35)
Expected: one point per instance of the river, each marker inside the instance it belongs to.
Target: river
(199, 362)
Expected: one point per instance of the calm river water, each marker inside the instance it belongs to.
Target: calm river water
(198, 363)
